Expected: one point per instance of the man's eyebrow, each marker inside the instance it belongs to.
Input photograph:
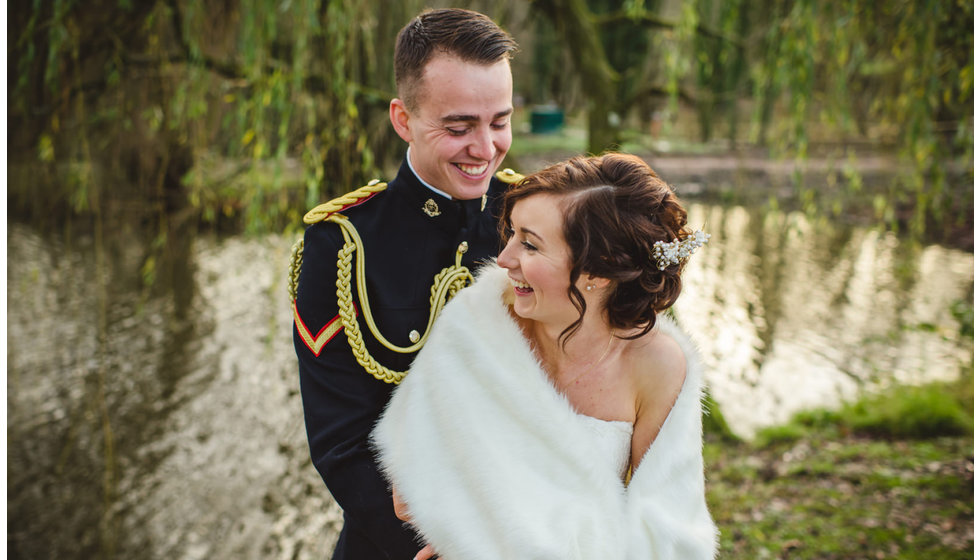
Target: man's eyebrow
(474, 118)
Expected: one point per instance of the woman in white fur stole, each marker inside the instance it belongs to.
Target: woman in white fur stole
(555, 413)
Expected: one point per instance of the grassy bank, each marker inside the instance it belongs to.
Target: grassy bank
(887, 477)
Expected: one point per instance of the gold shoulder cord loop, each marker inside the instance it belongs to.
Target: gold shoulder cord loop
(447, 283)
(319, 214)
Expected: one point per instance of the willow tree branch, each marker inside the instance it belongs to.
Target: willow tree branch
(222, 68)
(656, 22)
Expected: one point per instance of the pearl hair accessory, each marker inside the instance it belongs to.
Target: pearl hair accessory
(666, 254)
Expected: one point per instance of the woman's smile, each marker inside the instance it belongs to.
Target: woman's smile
(521, 288)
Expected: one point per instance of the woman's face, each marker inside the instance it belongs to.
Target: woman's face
(538, 261)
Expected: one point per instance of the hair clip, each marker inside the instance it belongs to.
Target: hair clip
(666, 254)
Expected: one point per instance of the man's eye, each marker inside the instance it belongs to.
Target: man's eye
(456, 131)
(499, 125)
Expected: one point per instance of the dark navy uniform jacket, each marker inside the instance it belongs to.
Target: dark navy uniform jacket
(404, 248)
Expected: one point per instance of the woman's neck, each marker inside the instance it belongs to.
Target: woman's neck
(587, 347)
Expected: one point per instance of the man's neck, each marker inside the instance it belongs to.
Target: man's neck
(408, 158)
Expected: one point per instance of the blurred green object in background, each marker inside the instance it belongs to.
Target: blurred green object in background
(547, 119)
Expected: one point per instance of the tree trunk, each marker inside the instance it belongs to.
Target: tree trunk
(576, 23)
(603, 134)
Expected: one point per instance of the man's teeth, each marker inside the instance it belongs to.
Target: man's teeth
(521, 285)
(473, 169)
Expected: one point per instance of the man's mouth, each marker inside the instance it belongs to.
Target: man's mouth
(474, 170)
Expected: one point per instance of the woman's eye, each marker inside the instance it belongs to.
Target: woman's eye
(529, 246)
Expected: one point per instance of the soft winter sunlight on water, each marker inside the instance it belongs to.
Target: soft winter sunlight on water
(167, 422)
(794, 315)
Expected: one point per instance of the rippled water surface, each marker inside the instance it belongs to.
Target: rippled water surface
(166, 422)
(793, 315)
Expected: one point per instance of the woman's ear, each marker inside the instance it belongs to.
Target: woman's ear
(598, 281)
(590, 283)
(399, 115)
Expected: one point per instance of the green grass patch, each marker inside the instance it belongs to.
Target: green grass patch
(775, 435)
(910, 412)
(904, 412)
(888, 476)
(828, 496)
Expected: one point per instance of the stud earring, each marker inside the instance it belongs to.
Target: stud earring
(590, 287)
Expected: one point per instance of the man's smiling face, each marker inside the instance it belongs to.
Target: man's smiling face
(460, 130)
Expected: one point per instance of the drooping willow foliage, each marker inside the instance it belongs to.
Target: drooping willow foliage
(196, 99)
(786, 74)
(892, 74)
(222, 102)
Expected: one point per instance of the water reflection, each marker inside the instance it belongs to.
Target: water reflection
(90, 363)
(162, 423)
(167, 423)
(791, 314)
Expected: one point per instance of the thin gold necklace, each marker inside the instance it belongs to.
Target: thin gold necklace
(589, 367)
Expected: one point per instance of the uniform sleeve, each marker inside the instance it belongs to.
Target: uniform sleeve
(341, 402)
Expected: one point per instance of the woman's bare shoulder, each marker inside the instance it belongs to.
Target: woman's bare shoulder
(658, 369)
(658, 363)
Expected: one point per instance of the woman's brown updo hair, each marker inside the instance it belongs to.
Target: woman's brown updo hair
(615, 209)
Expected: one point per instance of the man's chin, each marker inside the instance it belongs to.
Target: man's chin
(469, 189)
(469, 192)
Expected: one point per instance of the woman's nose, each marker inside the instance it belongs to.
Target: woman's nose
(506, 257)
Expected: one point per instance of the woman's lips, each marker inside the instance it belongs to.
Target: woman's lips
(522, 288)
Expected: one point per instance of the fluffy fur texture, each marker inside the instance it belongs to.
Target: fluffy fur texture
(493, 462)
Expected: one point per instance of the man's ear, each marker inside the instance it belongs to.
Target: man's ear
(398, 113)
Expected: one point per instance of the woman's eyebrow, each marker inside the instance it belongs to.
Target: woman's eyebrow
(531, 232)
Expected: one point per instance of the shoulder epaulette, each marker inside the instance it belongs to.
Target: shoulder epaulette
(353, 198)
(509, 176)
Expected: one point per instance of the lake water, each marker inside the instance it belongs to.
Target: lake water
(167, 423)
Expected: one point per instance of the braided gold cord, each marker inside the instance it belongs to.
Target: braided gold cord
(348, 318)
(446, 284)
(449, 281)
(318, 214)
(295, 264)
(321, 212)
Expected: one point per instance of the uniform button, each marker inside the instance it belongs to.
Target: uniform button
(414, 336)
(373, 182)
(463, 247)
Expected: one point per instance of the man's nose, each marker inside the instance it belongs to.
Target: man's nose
(482, 146)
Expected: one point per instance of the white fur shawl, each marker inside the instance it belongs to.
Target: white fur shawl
(489, 456)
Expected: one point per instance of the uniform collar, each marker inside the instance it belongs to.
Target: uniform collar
(408, 160)
(451, 215)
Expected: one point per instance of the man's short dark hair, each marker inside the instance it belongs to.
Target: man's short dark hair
(471, 36)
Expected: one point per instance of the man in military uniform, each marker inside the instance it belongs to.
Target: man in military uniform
(368, 289)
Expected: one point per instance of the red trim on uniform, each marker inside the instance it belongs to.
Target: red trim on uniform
(326, 334)
(358, 202)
